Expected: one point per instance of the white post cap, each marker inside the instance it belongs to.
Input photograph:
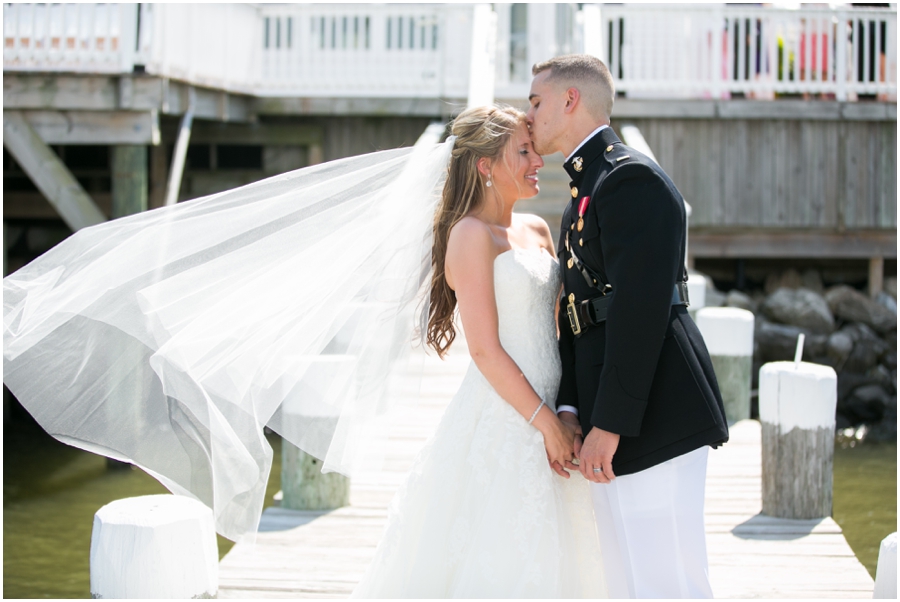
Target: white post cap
(886, 572)
(797, 396)
(726, 330)
(154, 546)
(697, 290)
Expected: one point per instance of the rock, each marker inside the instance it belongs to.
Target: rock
(868, 349)
(882, 376)
(850, 305)
(890, 338)
(801, 307)
(890, 360)
(714, 297)
(886, 429)
(790, 278)
(736, 298)
(866, 404)
(890, 286)
(885, 300)
(841, 422)
(812, 280)
(849, 381)
(775, 342)
(840, 344)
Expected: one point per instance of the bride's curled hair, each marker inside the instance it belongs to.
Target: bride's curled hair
(480, 132)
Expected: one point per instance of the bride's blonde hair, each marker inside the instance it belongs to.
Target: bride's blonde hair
(481, 132)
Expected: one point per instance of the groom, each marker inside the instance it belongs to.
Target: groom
(637, 379)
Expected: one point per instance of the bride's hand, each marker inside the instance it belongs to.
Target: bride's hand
(559, 438)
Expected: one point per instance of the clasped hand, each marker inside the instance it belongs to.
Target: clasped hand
(594, 452)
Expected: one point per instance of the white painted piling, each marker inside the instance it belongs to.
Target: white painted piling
(696, 292)
(317, 397)
(728, 333)
(797, 402)
(886, 571)
(154, 546)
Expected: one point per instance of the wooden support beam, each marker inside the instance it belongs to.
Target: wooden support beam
(876, 276)
(95, 127)
(272, 134)
(129, 180)
(49, 174)
(159, 174)
(750, 243)
(67, 92)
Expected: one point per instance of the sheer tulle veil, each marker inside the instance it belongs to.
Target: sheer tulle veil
(170, 338)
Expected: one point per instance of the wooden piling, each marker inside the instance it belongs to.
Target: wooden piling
(797, 402)
(129, 180)
(728, 334)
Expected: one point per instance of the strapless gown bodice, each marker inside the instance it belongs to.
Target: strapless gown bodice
(482, 515)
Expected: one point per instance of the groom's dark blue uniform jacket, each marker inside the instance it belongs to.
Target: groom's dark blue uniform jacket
(645, 372)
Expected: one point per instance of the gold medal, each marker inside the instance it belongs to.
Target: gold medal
(580, 224)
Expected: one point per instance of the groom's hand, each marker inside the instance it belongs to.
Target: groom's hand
(597, 452)
(570, 419)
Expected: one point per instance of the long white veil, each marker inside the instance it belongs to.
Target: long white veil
(170, 338)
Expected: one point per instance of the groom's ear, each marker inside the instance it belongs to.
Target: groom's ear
(573, 96)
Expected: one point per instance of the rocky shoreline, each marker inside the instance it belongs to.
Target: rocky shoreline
(844, 328)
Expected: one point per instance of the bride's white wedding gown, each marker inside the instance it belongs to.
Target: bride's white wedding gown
(482, 514)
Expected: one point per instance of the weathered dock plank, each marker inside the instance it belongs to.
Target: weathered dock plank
(324, 554)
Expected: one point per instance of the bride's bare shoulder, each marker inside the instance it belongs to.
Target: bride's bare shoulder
(469, 235)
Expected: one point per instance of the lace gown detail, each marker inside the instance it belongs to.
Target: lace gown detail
(482, 514)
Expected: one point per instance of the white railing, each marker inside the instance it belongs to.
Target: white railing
(100, 38)
(707, 51)
(366, 50)
(423, 50)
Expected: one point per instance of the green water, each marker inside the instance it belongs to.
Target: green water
(865, 497)
(51, 492)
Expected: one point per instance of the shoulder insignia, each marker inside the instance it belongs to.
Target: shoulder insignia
(616, 153)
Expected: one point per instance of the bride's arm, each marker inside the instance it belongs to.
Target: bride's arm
(469, 267)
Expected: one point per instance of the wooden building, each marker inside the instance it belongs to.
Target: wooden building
(779, 126)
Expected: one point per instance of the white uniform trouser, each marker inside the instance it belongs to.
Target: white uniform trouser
(652, 533)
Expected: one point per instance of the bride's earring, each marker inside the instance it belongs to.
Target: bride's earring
(488, 183)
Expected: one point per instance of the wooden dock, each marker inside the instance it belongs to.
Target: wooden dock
(324, 554)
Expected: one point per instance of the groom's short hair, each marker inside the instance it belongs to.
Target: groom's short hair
(589, 75)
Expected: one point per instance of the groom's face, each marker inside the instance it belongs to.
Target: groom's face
(546, 115)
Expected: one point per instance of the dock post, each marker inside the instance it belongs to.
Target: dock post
(797, 402)
(728, 333)
(129, 180)
(154, 546)
(696, 293)
(317, 397)
(886, 572)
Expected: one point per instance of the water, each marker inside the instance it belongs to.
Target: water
(865, 497)
(51, 492)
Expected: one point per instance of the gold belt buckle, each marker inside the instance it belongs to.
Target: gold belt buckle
(573, 316)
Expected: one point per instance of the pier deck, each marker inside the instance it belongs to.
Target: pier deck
(324, 554)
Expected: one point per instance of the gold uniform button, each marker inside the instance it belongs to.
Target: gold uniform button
(609, 148)
(570, 263)
(572, 298)
(580, 242)
(572, 227)
(574, 192)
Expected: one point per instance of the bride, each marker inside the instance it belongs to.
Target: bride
(482, 513)
(170, 338)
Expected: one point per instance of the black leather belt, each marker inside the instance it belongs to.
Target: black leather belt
(592, 312)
